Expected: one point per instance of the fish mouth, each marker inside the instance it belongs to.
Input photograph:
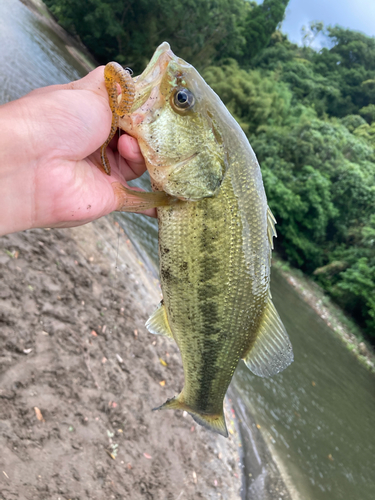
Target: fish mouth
(159, 61)
(152, 75)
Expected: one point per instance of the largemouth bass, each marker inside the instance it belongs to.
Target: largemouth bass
(215, 234)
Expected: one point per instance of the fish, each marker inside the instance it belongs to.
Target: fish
(215, 234)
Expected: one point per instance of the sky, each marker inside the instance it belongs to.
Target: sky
(358, 15)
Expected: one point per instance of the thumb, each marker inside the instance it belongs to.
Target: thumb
(93, 81)
(76, 115)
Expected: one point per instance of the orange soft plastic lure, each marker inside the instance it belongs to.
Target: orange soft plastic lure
(115, 74)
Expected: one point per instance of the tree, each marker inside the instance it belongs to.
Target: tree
(128, 31)
(259, 25)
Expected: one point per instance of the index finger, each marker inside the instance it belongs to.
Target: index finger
(128, 148)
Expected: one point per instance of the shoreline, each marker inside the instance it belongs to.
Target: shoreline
(73, 45)
(334, 317)
(308, 290)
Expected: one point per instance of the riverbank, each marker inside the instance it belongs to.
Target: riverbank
(79, 375)
(332, 315)
(73, 44)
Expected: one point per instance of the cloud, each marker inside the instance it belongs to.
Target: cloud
(358, 15)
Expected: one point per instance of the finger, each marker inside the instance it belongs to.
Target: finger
(92, 81)
(128, 148)
(120, 170)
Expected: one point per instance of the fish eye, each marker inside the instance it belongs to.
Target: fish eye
(184, 99)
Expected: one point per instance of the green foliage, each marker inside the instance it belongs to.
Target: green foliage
(259, 25)
(254, 98)
(368, 112)
(200, 31)
(129, 30)
(367, 132)
(335, 81)
(304, 116)
(353, 284)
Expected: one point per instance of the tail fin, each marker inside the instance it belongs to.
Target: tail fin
(215, 423)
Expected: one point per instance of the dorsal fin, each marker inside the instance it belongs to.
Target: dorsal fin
(271, 229)
(157, 323)
(272, 351)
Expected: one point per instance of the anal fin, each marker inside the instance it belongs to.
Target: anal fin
(272, 351)
(157, 323)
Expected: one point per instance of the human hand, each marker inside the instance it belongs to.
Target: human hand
(49, 157)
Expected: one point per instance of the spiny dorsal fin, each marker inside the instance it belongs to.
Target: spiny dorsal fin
(157, 323)
(271, 229)
(272, 351)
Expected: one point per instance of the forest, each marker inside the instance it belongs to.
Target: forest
(309, 115)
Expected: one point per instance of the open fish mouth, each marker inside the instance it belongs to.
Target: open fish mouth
(152, 75)
(157, 65)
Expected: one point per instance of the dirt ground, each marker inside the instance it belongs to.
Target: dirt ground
(79, 375)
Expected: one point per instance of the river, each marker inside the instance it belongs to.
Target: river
(317, 417)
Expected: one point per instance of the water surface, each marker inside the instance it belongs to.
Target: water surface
(319, 413)
(31, 54)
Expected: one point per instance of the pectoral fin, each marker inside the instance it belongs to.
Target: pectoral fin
(272, 351)
(158, 322)
(130, 200)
